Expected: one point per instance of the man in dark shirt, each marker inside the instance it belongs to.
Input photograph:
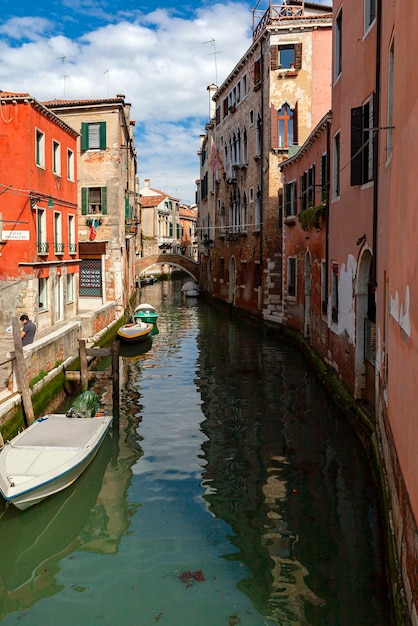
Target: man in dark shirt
(28, 330)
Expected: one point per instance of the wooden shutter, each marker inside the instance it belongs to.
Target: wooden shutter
(84, 136)
(356, 177)
(104, 200)
(274, 127)
(127, 209)
(298, 56)
(274, 58)
(84, 200)
(102, 135)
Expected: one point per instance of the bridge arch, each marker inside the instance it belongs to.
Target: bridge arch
(186, 264)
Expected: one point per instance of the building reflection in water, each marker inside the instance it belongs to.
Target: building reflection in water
(272, 473)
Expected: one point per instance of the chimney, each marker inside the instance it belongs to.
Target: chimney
(147, 182)
(212, 106)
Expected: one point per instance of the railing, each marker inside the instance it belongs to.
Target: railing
(275, 12)
(72, 248)
(43, 247)
(59, 248)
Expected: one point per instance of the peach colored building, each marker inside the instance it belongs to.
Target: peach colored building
(39, 264)
(396, 226)
(188, 233)
(367, 286)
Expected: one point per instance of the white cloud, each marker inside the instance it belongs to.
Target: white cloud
(160, 61)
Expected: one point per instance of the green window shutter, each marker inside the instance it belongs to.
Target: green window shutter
(127, 209)
(84, 200)
(104, 200)
(171, 230)
(102, 135)
(178, 231)
(84, 136)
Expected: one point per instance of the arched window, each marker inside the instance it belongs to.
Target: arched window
(244, 213)
(285, 124)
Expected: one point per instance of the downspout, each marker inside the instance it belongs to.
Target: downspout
(328, 193)
(261, 294)
(373, 268)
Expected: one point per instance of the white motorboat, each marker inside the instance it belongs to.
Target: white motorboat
(49, 456)
(136, 331)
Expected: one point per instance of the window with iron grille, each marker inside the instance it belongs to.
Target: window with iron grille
(90, 277)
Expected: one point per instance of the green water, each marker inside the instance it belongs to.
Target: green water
(235, 494)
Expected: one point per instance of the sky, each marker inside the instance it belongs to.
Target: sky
(161, 56)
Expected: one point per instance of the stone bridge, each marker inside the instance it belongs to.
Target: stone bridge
(184, 263)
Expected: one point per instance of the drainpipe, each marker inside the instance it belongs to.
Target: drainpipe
(373, 268)
(261, 293)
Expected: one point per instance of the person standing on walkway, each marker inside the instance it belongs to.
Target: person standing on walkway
(28, 330)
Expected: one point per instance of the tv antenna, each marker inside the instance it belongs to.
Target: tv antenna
(63, 59)
(215, 53)
(107, 80)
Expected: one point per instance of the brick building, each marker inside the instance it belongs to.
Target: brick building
(269, 103)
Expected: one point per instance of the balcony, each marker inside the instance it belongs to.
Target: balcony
(131, 226)
(72, 248)
(58, 248)
(43, 248)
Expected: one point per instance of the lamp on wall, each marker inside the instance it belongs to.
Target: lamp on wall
(50, 203)
(360, 240)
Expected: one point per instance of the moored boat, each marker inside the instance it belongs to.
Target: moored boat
(146, 313)
(190, 289)
(135, 331)
(49, 456)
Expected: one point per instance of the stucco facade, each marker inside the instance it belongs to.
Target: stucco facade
(39, 270)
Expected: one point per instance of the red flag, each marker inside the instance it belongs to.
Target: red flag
(93, 232)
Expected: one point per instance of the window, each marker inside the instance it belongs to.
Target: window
(251, 117)
(72, 244)
(304, 191)
(369, 13)
(244, 213)
(390, 99)
(39, 148)
(285, 123)
(93, 136)
(58, 244)
(70, 288)
(291, 277)
(338, 44)
(221, 268)
(258, 209)
(56, 158)
(42, 243)
(286, 56)
(245, 148)
(362, 143)
(290, 199)
(93, 200)
(43, 294)
(336, 168)
(91, 277)
(251, 192)
(324, 177)
(258, 136)
(257, 73)
(70, 165)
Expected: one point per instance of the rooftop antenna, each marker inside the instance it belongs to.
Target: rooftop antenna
(107, 80)
(215, 53)
(63, 59)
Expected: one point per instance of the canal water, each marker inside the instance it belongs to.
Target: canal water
(234, 494)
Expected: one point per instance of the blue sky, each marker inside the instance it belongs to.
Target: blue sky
(161, 56)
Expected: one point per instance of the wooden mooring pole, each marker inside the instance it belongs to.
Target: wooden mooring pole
(22, 374)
